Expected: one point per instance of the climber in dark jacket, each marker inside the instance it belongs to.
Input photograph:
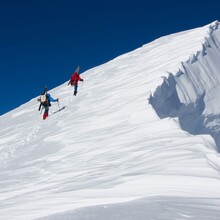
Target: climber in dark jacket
(45, 100)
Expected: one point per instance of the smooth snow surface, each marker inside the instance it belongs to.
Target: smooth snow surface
(139, 141)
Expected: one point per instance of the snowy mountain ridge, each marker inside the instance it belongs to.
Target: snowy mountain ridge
(191, 94)
(125, 146)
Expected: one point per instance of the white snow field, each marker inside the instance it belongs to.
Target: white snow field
(140, 141)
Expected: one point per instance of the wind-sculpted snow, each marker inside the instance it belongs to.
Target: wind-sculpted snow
(107, 154)
(193, 93)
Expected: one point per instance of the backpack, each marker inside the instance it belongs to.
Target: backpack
(43, 98)
(74, 79)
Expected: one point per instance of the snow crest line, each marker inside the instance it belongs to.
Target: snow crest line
(192, 93)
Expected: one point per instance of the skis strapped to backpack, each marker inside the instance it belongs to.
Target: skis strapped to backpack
(42, 99)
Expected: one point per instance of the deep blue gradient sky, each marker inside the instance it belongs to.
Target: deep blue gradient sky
(43, 41)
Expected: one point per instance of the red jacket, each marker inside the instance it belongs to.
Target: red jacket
(75, 78)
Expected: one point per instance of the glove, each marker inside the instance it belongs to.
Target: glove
(57, 100)
(81, 80)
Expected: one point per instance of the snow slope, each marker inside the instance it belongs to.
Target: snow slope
(118, 149)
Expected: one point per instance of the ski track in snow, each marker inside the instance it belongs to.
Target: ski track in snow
(106, 153)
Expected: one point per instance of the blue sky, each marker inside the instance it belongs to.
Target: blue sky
(43, 41)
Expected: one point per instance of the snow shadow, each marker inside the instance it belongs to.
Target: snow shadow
(156, 208)
(60, 109)
(197, 78)
(166, 103)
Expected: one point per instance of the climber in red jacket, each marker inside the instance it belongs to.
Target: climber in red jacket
(74, 80)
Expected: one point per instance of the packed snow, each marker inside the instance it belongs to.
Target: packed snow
(139, 141)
